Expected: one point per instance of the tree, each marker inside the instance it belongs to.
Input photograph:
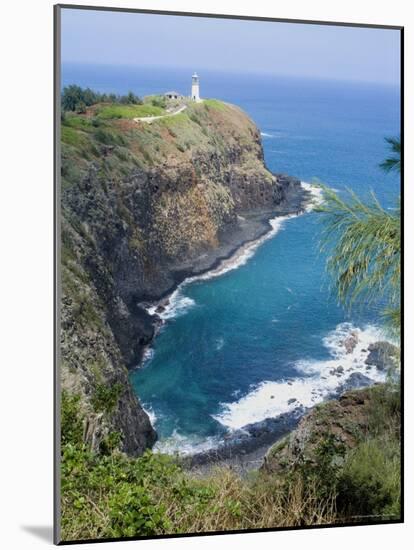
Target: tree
(364, 241)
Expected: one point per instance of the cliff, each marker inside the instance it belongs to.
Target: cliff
(144, 205)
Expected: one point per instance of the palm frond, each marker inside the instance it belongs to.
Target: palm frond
(364, 248)
(393, 162)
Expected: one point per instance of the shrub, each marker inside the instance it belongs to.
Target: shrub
(105, 397)
(71, 421)
(370, 482)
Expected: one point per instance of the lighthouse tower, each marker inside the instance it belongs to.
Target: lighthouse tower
(195, 88)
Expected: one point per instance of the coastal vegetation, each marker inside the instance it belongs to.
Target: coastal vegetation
(75, 98)
(108, 494)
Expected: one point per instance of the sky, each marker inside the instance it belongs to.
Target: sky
(289, 49)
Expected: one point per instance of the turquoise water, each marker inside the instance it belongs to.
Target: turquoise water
(237, 347)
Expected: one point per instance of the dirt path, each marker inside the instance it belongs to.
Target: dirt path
(150, 119)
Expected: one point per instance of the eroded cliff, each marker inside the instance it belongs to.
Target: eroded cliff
(144, 205)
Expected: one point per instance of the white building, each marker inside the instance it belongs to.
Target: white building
(195, 88)
(172, 95)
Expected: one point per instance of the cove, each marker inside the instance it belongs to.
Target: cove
(238, 347)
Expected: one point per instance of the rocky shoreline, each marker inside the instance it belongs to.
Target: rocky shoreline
(245, 449)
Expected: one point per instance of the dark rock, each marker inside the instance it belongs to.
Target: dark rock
(248, 439)
(354, 381)
(382, 355)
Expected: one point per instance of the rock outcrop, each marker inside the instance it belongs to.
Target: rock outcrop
(344, 421)
(383, 355)
(143, 206)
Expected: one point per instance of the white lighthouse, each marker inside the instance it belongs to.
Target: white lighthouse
(195, 88)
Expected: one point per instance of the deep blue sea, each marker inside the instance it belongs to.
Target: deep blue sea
(242, 346)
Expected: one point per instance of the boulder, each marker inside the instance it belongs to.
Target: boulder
(382, 355)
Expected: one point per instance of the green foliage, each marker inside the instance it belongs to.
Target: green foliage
(159, 101)
(393, 163)
(110, 443)
(111, 495)
(105, 397)
(71, 136)
(74, 95)
(365, 244)
(128, 111)
(109, 137)
(214, 104)
(370, 484)
(71, 421)
(75, 98)
(78, 122)
(130, 99)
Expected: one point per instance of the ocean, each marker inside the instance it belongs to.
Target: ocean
(264, 333)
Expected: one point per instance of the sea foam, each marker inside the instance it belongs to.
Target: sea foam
(317, 380)
(186, 445)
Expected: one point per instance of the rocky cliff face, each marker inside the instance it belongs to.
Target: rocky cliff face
(143, 205)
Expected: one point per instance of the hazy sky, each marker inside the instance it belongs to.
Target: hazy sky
(293, 49)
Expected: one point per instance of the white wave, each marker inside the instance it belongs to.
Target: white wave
(178, 304)
(148, 355)
(265, 134)
(322, 378)
(316, 195)
(185, 445)
(151, 414)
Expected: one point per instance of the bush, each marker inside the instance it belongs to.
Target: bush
(105, 397)
(370, 482)
(71, 421)
(159, 101)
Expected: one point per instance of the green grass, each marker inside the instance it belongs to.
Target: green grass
(77, 122)
(214, 104)
(174, 120)
(72, 137)
(128, 111)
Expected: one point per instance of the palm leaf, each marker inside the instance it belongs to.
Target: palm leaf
(393, 163)
(364, 249)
